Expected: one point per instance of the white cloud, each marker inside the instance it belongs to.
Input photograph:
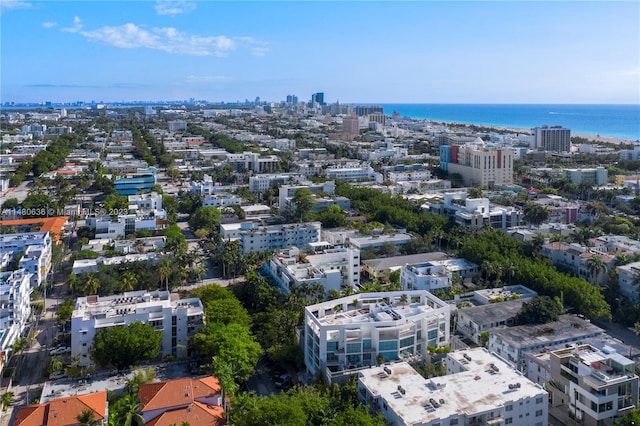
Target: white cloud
(49, 24)
(77, 26)
(15, 4)
(170, 40)
(168, 7)
(207, 79)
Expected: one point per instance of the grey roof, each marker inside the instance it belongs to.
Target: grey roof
(567, 328)
(389, 262)
(494, 312)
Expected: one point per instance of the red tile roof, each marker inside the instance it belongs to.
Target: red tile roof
(195, 414)
(47, 224)
(63, 411)
(172, 393)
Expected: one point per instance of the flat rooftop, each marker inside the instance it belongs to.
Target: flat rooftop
(480, 390)
(375, 307)
(567, 327)
(397, 261)
(493, 312)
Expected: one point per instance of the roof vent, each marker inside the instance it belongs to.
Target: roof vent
(387, 370)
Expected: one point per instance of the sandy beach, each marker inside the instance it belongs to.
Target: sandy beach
(596, 138)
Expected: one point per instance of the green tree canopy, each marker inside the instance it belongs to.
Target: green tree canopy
(207, 218)
(233, 344)
(540, 310)
(124, 346)
(303, 201)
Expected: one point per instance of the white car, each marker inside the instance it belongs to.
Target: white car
(60, 350)
(57, 375)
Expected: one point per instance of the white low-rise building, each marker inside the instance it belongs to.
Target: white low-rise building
(627, 281)
(254, 237)
(15, 306)
(436, 274)
(596, 386)
(221, 199)
(353, 331)
(35, 248)
(177, 319)
(332, 268)
(479, 389)
(513, 342)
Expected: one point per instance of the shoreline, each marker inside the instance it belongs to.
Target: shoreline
(597, 138)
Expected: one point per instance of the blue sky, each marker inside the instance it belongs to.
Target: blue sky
(367, 52)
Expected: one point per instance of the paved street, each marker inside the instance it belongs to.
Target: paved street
(34, 361)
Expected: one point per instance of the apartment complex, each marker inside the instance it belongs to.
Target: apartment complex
(475, 212)
(254, 237)
(34, 249)
(435, 274)
(177, 319)
(479, 389)
(513, 342)
(627, 281)
(596, 386)
(15, 306)
(480, 164)
(334, 268)
(353, 331)
(554, 138)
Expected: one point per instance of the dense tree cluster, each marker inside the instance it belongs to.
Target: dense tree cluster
(315, 406)
(125, 346)
(539, 310)
(538, 274)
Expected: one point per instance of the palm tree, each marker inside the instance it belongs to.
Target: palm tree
(6, 400)
(404, 299)
(595, 265)
(91, 284)
(87, 418)
(164, 271)
(131, 410)
(128, 282)
(56, 364)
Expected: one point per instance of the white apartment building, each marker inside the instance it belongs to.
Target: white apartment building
(253, 162)
(254, 237)
(15, 306)
(177, 319)
(475, 212)
(352, 331)
(513, 342)
(36, 253)
(554, 138)
(359, 173)
(627, 275)
(221, 199)
(333, 268)
(436, 274)
(596, 386)
(474, 321)
(262, 182)
(479, 389)
(83, 266)
(592, 176)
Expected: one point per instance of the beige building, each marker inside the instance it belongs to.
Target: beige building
(482, 165)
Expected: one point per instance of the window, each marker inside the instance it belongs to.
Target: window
(509, 408)
(453, 422)
(508, 421)
(539, 400)
(538, 413)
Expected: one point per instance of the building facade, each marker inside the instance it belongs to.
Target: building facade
(596, 386)
(177, 319)
(254, 237)
(354, 331)
(554, 138)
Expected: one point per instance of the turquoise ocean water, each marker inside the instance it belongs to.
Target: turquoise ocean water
(619, 121)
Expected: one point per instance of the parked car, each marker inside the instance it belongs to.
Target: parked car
(60, 350)
(283, 381)
(57, 375)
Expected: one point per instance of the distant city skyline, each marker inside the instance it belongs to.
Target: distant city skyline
(354, 52)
